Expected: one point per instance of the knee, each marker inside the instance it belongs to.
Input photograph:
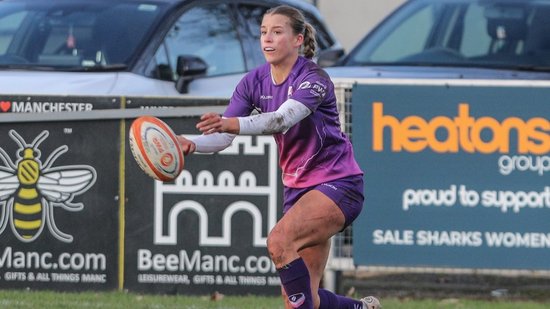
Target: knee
(277, 245)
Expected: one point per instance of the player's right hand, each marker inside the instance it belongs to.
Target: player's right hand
(187, 146)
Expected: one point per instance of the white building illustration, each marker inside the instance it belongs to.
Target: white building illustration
(225, 183)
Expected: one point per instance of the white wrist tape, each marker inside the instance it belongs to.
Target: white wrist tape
(287, 115)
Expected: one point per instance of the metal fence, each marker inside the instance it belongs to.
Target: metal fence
(341, 255)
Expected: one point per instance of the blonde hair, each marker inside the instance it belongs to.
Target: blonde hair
(299, 25)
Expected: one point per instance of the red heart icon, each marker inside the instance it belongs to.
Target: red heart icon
(5, 106)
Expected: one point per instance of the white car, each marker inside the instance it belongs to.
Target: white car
(134, 47)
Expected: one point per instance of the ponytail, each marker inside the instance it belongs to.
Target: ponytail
(310, 43)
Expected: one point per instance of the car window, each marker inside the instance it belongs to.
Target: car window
(8, 26)
(252, 16)
(461, 33)
(475, 41)
(65, 34)
(208, 32)
(405, 39)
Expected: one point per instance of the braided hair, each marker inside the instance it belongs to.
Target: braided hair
(299, 25)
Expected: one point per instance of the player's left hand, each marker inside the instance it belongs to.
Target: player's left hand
(210, 123)
(214, 123)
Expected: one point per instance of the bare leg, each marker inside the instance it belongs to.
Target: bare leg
(305, 231)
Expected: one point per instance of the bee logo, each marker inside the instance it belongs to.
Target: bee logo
(30, 189)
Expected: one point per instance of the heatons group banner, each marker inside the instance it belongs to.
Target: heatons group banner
(455, 176)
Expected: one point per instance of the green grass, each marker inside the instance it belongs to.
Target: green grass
(44, 300)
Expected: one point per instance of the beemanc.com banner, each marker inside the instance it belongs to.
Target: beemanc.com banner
(207, 230)
(58, 195)
(455, 176)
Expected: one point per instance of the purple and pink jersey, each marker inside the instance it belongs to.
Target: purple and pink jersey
(314, 150)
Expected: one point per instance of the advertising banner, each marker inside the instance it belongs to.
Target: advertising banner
(455, 176)
(207, 230)
(58, 197)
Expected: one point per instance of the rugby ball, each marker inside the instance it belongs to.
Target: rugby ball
(155, 148)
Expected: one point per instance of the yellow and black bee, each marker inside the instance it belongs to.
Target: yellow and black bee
(29, 189)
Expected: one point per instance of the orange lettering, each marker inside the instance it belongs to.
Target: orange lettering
(444, 134)
(413, 133)
(379, 122)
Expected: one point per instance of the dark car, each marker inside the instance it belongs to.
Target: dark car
(487, 39)
(136, 47)
(427, 42)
